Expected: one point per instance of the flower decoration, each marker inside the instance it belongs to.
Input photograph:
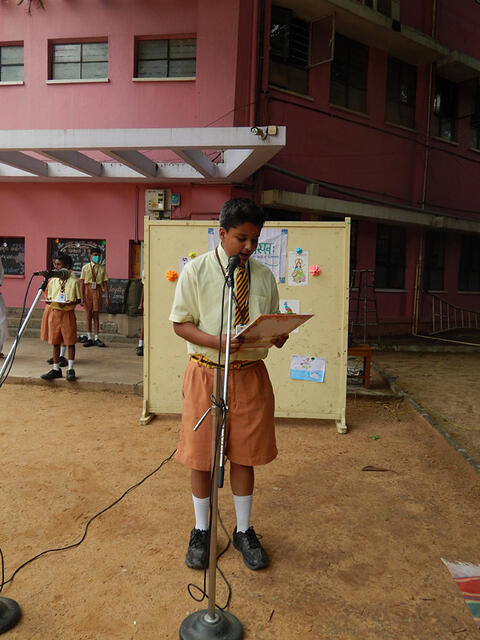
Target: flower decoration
(298, 250)
(192, 254)
(315, 270)
(171, 275)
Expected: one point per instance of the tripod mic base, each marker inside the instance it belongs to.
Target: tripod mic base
(201, 626)
(9, 614)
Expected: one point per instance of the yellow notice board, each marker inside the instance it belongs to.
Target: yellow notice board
(323, 337)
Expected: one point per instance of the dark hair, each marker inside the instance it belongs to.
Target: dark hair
(64, 259)
(238, 211)
(95, 251)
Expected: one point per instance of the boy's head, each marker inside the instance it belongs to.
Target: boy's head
(95, 256)
(62, 261)
(238, 211)
(241, 222)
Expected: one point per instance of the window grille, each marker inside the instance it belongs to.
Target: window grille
(80, 61)
(175, 58)
(11, 63)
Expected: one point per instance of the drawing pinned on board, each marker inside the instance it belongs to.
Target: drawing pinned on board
(297, 268)
(307, 368)
(290, 306)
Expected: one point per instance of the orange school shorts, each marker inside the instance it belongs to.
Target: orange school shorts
(62, 327)
(250, 429)
(93, 298)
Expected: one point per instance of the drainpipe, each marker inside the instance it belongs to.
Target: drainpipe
(417, 294)
(253, 67)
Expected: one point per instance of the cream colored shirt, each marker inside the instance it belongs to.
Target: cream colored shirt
(90, 269)
(70, 288)
(198, 299)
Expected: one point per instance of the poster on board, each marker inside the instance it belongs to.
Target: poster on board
(271, 249)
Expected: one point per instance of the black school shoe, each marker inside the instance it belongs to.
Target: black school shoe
(139, 350)
(61, 361)
(197, 553)
(253, 553)
(88, 343)
(98, 343)
(52, 374)
(82, 338)
(71, 375)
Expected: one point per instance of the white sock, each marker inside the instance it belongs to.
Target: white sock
(140, 343)
(243, 508)
(56, 366)
(62, 350)
(202, 507)
(70, 364)
(96, 336)
(89, 335)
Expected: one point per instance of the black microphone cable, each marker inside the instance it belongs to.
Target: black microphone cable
(76, 544)
(17, 335)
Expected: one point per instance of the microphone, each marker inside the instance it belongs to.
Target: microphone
(63, 274)
(233, 263)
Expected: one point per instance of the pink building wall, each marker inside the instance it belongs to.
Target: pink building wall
(218, 96)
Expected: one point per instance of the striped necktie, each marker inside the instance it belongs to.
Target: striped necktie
(241, 310)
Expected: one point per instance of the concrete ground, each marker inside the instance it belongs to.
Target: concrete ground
(113, 368)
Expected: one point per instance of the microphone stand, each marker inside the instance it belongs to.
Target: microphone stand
(10, 611)
(20, 332)
(213, 623)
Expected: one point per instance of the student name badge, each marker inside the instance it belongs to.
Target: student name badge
(61, 297)
(239, 328)
(94, 285)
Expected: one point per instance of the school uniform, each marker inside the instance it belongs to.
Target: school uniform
(93, 276)
(61, 322)
(250, 432)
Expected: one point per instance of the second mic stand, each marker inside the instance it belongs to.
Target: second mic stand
(213, 622)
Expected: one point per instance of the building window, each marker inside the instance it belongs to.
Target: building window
(289, 47)
(174, 58)
(475, 117)
(390, 257)
(11, 63)
(469, 271)
(348, 77)
(382, 6)
(445, 109)
(401, 93)
(434, 261)
(79, 61)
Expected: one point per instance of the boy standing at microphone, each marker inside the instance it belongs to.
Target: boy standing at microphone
(63, 294)
(250, 433)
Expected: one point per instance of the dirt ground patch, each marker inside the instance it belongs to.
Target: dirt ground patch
(446, 386)
(355, 554)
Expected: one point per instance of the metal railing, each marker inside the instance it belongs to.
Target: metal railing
(448, 317)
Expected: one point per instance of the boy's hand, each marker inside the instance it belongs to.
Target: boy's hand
(235, 343)
(280, 341)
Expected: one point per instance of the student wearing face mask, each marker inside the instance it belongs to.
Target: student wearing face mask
(92, 280)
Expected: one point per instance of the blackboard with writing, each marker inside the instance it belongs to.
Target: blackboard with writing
(78, 250)
(117, 290)
(12, 253)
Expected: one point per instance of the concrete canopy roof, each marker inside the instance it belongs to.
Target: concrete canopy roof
(137, 155)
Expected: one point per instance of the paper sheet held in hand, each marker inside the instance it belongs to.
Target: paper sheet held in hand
(265, 328)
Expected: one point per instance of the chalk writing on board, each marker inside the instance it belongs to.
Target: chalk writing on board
(12, 252)
(117, 291)
(79, 250)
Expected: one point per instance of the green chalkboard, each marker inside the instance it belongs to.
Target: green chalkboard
(12, 253)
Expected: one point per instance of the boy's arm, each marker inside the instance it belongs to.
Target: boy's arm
(107, 295)
(190, 332)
